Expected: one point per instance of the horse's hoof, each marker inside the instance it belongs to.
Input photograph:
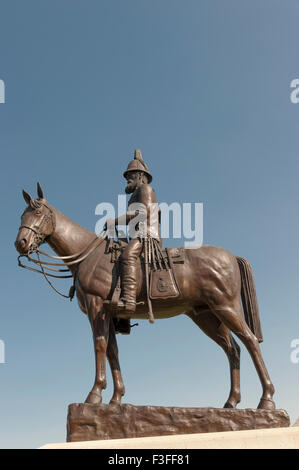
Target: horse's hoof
(266, 404)
(114, 402)
(94, 398)
(228, 405)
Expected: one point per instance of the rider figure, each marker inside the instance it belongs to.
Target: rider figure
(143, 204)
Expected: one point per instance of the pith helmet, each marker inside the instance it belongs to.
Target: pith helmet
(138, 165)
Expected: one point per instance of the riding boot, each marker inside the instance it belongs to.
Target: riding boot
(129, 276)
(129, 287)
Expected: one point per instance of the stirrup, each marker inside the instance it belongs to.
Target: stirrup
(128, 307)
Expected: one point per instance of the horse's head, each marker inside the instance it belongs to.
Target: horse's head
(37, 223)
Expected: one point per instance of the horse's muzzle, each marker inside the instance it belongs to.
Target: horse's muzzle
(21, 246)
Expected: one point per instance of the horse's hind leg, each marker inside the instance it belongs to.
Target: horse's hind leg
(217, 331)
(232, 317)
(99, 320)
(112, 355)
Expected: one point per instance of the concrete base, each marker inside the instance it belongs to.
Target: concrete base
(278, 438)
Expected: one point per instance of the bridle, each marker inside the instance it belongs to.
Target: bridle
(39, 236)
(66, 261)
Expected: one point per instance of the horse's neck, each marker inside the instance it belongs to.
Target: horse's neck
(68, 237)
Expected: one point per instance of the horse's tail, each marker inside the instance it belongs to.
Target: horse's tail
(249, 299)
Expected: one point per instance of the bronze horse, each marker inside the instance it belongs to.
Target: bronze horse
(210, 281)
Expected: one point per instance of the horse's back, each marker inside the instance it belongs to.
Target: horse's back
(208, 270)
(214, 254)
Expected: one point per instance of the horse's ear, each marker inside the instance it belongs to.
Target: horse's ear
(40, 191)
(27, 197)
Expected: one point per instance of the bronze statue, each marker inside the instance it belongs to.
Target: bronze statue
(139, 179)
(207, 284)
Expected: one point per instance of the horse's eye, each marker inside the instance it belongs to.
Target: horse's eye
(38, 212)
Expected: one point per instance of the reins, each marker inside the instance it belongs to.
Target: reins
(66, 261)
(45, 264)
(72, 288)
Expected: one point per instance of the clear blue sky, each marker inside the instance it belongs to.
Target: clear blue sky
(203, 88)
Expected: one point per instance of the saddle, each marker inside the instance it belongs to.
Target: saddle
(159, 270)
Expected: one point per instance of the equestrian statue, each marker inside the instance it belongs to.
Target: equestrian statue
(116, 281)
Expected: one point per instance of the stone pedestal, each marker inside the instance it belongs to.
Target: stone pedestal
(86, 422)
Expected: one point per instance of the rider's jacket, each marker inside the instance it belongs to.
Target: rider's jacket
(144, 201)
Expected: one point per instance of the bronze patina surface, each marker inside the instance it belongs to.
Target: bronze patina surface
(87, 422)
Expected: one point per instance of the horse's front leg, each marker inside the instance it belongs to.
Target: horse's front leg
(99, 320)
(112, 355)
